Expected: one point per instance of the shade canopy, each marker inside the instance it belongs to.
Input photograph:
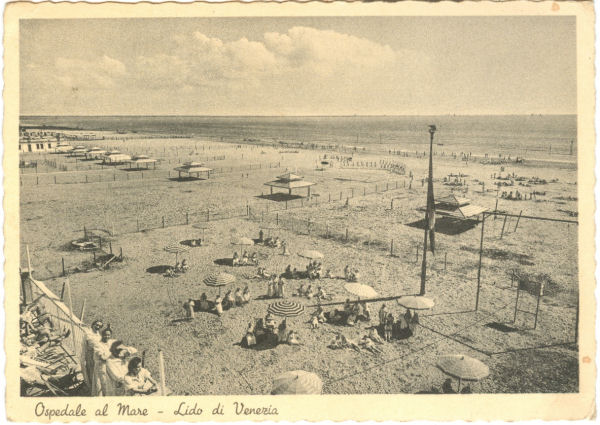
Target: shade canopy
(312, 254)
(219, 279)
(176, 248)
(286, 308)
(416, 302)
(360, 290)
(463, 367)
(297, 382)
(242, 241)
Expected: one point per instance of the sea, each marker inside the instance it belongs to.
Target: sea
(540, 136)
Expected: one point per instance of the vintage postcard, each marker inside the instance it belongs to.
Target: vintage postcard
(225, 212)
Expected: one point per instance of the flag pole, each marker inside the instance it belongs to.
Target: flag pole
(428, 212)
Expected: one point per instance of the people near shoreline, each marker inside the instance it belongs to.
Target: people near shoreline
(138, 380)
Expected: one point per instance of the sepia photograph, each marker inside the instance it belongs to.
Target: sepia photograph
(326, 204)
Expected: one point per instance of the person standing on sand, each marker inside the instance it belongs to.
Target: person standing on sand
(219, 305)
(382, 315)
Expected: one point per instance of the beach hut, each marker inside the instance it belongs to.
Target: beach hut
(290, 182)
(191, 168)
(138, 160)
(95, 153)
(115, 157)
(457, 207)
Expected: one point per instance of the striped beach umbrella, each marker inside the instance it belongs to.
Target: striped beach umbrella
(311, 254)
(360, 290)
(176, 248)
(297, 382)
(219, 279)
(286, 308)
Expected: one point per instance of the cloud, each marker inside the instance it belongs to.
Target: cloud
(102, 73)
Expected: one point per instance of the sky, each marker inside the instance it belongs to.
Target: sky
(299, 66)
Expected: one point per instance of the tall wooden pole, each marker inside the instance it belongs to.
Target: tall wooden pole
(479, 267)
(424, 263)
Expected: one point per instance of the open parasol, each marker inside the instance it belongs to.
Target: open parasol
(242, 241)
(297, 382)
(219, 279)
(176, 248)
(416, 302)
(202, 227)
(286, 308)
(463, 367)
(311, 254)
(360, 290)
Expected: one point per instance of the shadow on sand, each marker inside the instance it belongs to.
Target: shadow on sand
(279, 197)
(185, 179)
(447, 225)
(158, 269)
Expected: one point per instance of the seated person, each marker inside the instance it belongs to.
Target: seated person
(374, 335)
(365, 313)
(177, 267)
(320, 315)
(302, 290)
(351, 319)
(309, 292)
(204, 305)
(288, 271)
(254, 258)
(245, 258)
(246, 295)
(347, 305)
(292, 338)
(229, 299)
(184, 265)
(138, 380)
(239, 300)
(236, 259)
(295, 274)
(447, 387)
(368, 344)
(328, 274)
(270, 323)
(282, 331)
(321, 294)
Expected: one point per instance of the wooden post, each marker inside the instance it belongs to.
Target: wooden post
(71, 315)
(445, 260)
(516, 303)
(340, 196)
(82, 314)
(94, 255)
(163, 221)
(110, 246)
(121, 253)
(327, 230)
(518, 218)
(277, 218)
(503, 224)
(392, 248)
(62, 291)
(364, 191)
(137, 220)
(286, 205)
(54, 179)
(330, 197)
(86, 178)
(537, 307)
(417, 251)
(63, 266)
(207, 214)
(346, 234)
(84, 233)
(479, 266)
(161, 366)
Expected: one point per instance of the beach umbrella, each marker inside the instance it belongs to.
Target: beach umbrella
(202, 227)
(286, 308)
(297, 382)
(219, 279)
(311, 254)
(176, 248)
(242, 241)
(463, 367)
(360, 290)
(415, 302)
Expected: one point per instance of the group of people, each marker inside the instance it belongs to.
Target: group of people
(367, 342)
(404, 327)
(276, 286)
(314, 270)
(110, 367)
(306, 290)
(245, 259)
(268, 331)
(236, 298)
(352, 313)
(350, 274)
(275, 242)
(179, 268)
